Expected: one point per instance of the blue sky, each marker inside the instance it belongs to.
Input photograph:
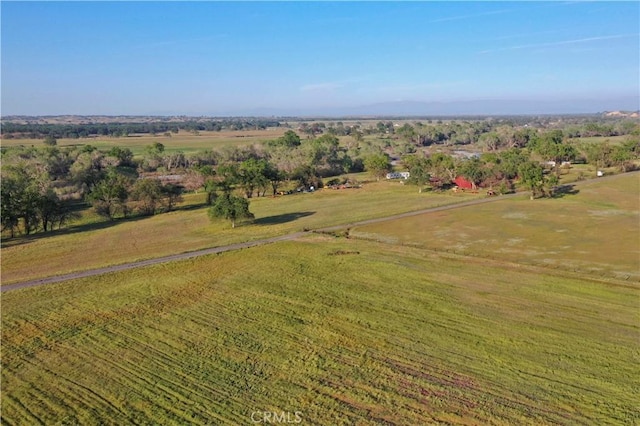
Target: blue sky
(219, 58)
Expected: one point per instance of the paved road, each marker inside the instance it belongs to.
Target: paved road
(238, 246)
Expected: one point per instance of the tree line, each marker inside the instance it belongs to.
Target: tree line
(12, 130)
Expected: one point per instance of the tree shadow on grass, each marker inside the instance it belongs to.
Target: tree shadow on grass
(93, 226)
(281, 218)
(564, 190)
(73, 229)
(190, 207)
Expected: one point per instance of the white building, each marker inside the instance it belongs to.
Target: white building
(398, 175)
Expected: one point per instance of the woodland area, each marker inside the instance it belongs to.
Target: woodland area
(43, 186)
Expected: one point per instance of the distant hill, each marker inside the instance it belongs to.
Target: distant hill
(622, 114)
(493, 107)
(479, 107)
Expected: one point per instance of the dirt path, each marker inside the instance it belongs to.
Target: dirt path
(239, 246)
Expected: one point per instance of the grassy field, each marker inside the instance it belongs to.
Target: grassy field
(512, 312)
(614, 140)
(343, 331)
(183, 141)
(595, 230)
(90, 245)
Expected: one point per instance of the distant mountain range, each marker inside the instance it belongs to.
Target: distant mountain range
(621, 107)
(472, 107)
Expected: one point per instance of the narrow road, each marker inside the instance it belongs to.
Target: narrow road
(148, 262)
(238, 246)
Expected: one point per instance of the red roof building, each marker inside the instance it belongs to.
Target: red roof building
(463, 183)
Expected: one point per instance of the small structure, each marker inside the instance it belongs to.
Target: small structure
(398, 175)
(463, 183)
(465, 155)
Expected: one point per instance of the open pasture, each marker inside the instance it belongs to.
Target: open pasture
(594, 228)
(342, 331)
(613, 140)
(184, 141)
(93, 245)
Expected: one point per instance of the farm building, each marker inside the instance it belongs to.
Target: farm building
(464, 183)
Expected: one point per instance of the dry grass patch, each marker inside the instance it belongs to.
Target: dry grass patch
(182, 141)
(596, 230)
(119, 242)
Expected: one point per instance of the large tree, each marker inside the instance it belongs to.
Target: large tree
(532, 176)
(473, 170)
(10, 204)
(290, 139)
(378, 165)
(148, 195)
(28, 199)
(109, 196)
(230, 207)
(251, 175)
(443, 168)
(274, 176)
(418, 171)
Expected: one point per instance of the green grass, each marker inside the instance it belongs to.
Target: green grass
(595, 230)
(614, 140)
(344, 331)
(93, 245)
(511, 328)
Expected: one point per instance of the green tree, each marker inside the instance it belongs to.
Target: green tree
(378, 165)
(532, 177)
(474, 170)
(407, 132)
(155, 148)
(307, 176)
(210, 188)
(124, 156)
(10, 208)
(28, 200)
(274, 176)
(231, 208)
(172, 195)
(490, 141)
(147, 195)
(599, 154)
(109, 196)
(22, 191)
(418, 171)
(50, 140)
(87, 170)
(51, 210)
(510, 160)
(289, 139)
(325, 155)
(443, 168)
(252, 175)
(153, 157)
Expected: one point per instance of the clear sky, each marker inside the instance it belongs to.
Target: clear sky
(222, 58)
